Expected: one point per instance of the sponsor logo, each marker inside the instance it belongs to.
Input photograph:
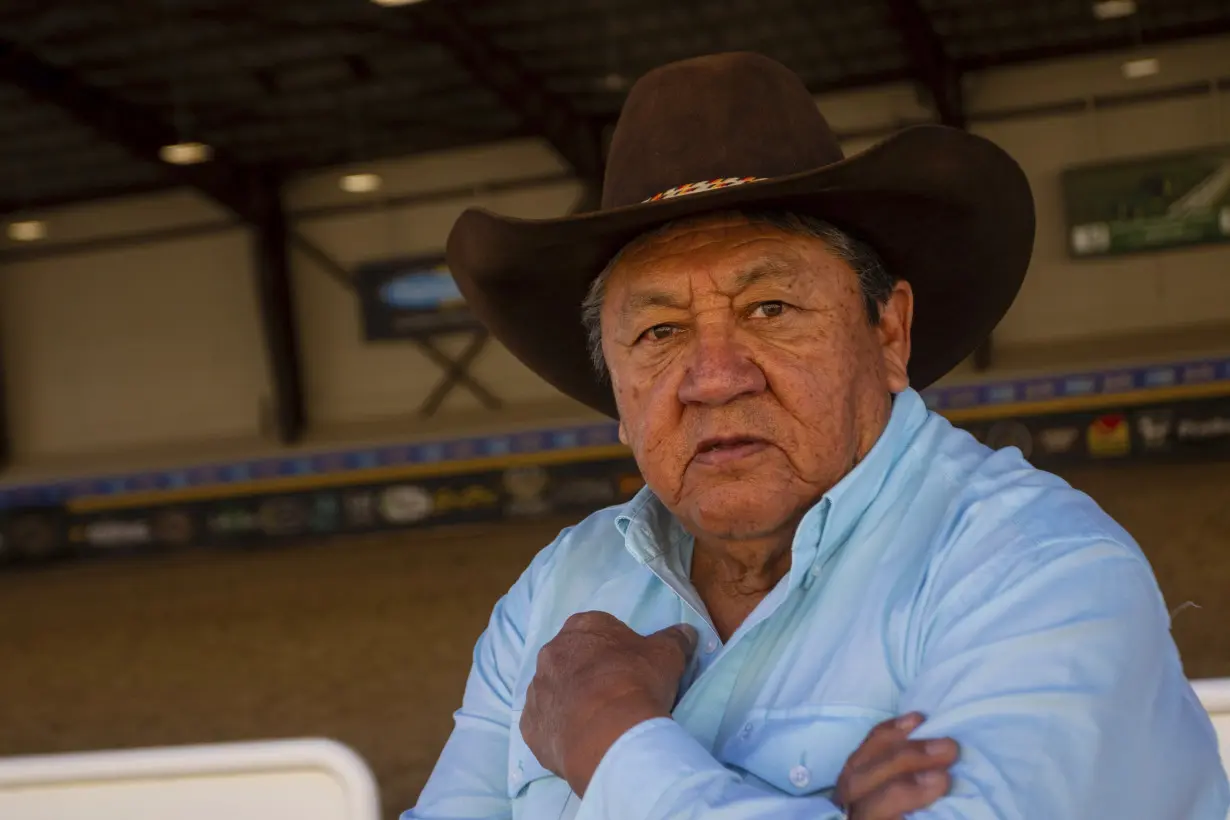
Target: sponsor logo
(1038, 391)
(597, 436)
(326, 513)
(583, 492)
(32, 536)
(530, 442)
(1001, 394)
(1118, 383)
(118, 533)
(1056, 440)
(405, 504)
(1109, 436)
(1154, 428)
(232, 521)
(1093, 237)
(1203, 429)
(360, 509)
(525, 487)
(173, 527)
(331, 462)
(472, 497)
(1161, 377)
(1079, 385)
(630, 485)
(283, 516)
(1195, 373)
(461, 450)
(963, 398)
(1010, 434)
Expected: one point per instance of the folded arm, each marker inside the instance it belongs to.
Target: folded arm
(1054, 671)
(470, 779)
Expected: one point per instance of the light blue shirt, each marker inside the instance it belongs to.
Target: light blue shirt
(938, 576)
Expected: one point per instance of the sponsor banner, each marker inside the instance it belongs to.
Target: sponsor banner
(1078, 386)
(1149, 203)
(1182, 430)
(1003, 400)
(408, 298)
(1196, 429)
(574, 489)
(33, 534)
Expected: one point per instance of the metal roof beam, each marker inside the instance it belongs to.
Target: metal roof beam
(250, 194)
(929, 60)
(550, 115)
(132, 127)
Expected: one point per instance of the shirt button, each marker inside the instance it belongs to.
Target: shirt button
(711, 646)
(747, 730)
(800, 776)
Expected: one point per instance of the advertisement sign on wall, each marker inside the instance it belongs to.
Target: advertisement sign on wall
(1149, 203)
(407, 298)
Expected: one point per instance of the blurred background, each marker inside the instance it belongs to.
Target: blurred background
(264, 477)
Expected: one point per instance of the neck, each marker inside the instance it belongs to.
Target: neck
(733, 576)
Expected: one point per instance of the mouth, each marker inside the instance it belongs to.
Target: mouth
(726, 449)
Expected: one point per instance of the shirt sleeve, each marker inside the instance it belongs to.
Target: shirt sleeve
(1054, 671)
(470, 779)
(657, 770)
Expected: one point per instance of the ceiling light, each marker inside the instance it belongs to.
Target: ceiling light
(30, 230)
(391, 3)
(1147, 67)
(361, 183)
(1111, 9)
(186, 153)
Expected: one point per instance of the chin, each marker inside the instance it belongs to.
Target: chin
(737, 510)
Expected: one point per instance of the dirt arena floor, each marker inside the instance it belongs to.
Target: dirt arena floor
(368, 640)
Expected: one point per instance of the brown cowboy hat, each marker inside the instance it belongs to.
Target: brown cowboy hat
(947, 211)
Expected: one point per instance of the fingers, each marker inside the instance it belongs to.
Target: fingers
(884, 737)
(680, 640)
(890, 770)
(593, 621)
(909, 759)
(906, 794)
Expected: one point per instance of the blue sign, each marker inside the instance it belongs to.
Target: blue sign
(430, 290)
(408, 298)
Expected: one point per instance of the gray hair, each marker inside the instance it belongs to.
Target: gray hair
(873, 277)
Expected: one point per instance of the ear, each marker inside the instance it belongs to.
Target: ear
(893, 331)
(623, 433)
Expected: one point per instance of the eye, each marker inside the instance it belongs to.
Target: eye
(768, 310)
(658, 333)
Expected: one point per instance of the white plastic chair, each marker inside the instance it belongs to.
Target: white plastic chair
(1215, 695)
(300, 779)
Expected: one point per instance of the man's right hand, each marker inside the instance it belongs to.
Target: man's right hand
(890, 775)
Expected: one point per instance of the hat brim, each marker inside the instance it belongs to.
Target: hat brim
(948, 211)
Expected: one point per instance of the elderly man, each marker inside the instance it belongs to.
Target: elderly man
(827, 602)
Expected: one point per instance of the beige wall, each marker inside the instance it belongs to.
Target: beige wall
(351, 381)
(158, 344)
(1063, 298)
(132, 347)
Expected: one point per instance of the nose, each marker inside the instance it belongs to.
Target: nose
(719, 370)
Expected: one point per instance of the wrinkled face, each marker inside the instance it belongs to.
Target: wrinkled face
(748, 377)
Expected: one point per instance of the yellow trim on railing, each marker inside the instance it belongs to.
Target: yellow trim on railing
(94, 503)
(1094, 402)
(411, 472)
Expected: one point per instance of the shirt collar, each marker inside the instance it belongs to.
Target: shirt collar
(649, 529)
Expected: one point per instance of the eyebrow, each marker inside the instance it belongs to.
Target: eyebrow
(767, 269)
(764, 270)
